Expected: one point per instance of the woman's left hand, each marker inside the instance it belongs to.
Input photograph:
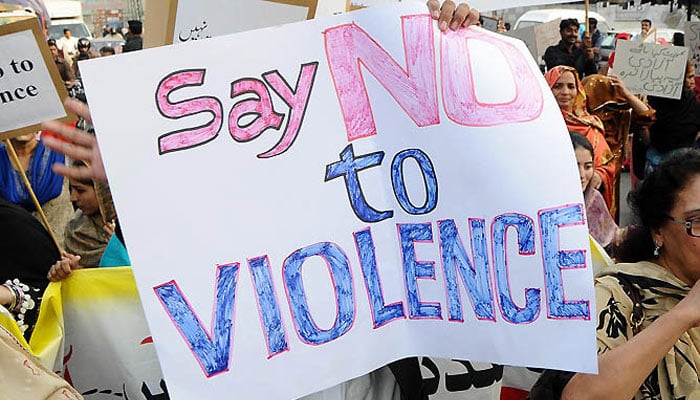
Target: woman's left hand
(596, 181)
(63, 268)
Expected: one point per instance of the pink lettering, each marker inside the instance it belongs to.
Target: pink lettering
(297, 100)
(460, 102)
(261, 109)
(190, 137)
(414, 89)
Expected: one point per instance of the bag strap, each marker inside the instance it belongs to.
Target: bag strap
(637, 316)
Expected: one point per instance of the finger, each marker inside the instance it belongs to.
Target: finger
(74, 151)
(460, 16)
(446, 13)
(434, 8)
(71, 133)
(78, 107)
(80, 173)
(472, 17)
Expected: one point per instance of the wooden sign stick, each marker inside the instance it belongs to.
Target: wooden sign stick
(18, 164)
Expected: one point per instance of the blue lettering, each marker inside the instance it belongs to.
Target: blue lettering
(212, 354)
(475, 278)
(381, 313)
(526, 245)
(347, 167)
(556, 260)
(414, 270)
(339, 268)
(429, 180)
(269, 307)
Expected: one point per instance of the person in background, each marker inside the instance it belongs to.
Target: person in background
(566, 52)
(608, 98)
(649, 307)
(106, 51)
(677, 123)
(50, 188)
(678, 39)
(134, 41)
(84, 53)
(645, 31)
(28, 253)
(600, 223)
(64, 68)
(68, 44)
(571, 98)
(596, 37)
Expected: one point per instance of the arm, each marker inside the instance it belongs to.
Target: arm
(638, 106)
(63, 268)
(623, 370)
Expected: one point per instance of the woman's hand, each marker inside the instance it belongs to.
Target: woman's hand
(451, 15)
(596, 181)
(110, 227)
(689, 307)
(63, 268)
(81, 145)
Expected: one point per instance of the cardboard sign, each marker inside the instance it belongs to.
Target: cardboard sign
(350, 191)
(692, 42)
(538, 37)
(650, 68)
(31, 89)
(197, 19)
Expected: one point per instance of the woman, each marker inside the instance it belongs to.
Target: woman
(571, 98)
(88, 233)
(600, 223)
(649, 309)
(50, 188)
(28, 253)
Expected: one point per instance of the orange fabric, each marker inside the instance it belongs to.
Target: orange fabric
(592, 128)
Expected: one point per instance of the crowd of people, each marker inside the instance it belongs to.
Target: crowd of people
(648, 303)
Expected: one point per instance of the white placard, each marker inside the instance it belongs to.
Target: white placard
(28, 92)
(538, 37)
(650, 68)
(409, 185)
(692, 42)
(198, 19)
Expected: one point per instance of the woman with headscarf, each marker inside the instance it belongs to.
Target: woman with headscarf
(571, 98)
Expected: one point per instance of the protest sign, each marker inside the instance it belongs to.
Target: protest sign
(538, 37)
(333, 199)
(197, 19)
(692, 42)
(31, 89)
(650, 68)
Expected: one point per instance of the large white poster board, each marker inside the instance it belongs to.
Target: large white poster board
(352, 191)
(31, 91)
(650, 68)
(692, 42)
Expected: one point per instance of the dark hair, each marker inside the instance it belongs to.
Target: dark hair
(135, 26)
(51, 42)
(84, 181)
(565, 23)
(66, 30)
(654, 198)
(106, 49)
(578, 140)
(678, 39)
(647, 20)
(592, 21)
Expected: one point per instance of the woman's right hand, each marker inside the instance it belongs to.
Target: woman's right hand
(689, 307)
(451, 15)
(63, 268)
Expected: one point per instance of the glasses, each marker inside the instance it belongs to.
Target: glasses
(692, 226)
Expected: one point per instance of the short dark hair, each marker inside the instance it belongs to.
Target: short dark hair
(592, 21)
(647, 20)
(66, 30)
(106, 49)
(135, 26)
(565, 23)
(51, 42)
(654, 198)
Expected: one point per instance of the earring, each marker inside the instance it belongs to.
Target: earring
(656, 250)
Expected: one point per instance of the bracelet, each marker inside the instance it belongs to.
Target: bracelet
(13, 294)
(21, 302)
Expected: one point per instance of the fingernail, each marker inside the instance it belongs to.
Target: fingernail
(436, 14)
(443, 25)
(454, 25)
